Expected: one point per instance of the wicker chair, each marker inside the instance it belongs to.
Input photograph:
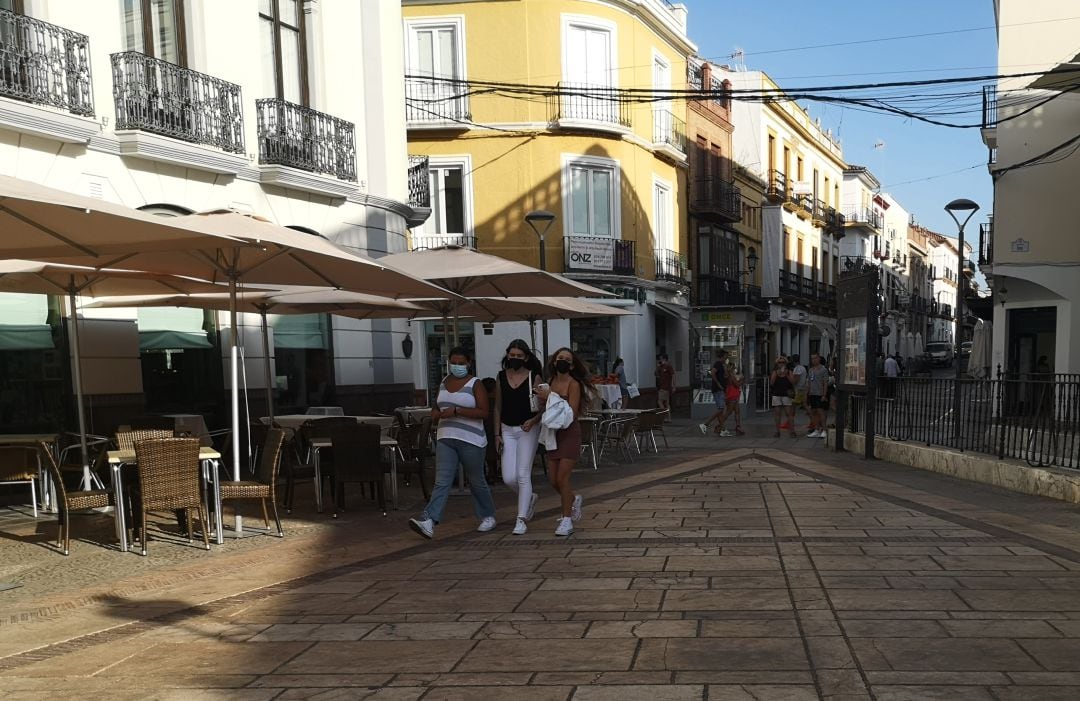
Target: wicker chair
(126, 440)
(414, 447)
(262, 487)
(302, 466)
(169, 480)
(71, 457)
(66, 501)
(18, 465)
(357, 458)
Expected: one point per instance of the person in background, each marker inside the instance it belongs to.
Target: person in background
(732, 401)
(782, 390)
(460, 409)
(620, 374)
(517, 419)
(570, 380)
(798, 378)
(718, 378)
(665, 382)
(892, 371)
(817, 386)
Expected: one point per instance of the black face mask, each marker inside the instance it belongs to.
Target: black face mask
(515, 363)
(562, 366)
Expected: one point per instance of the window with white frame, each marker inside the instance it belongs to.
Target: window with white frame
(435, 53)
(663, 119)
(589, 61)
(593, 196)
(663, 210)
(450, 186)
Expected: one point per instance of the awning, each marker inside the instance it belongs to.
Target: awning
(300, 331)
(33, 337)
(172, 340)
(675, 311)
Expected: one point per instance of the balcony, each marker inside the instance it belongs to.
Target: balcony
(48, 66)
(669, 135)
(598, 254)
(721, 292)
(856, 265)
(800, 204)
(436, 104)
(986, 244)
(718, 197)
(989, 116)
(867, 217)
(154, 97)
(420, 242)
(834, 222)
(794, 286)
(776, 191)
(670, 267)
(585, 106)
(306, 140)
(419, 191)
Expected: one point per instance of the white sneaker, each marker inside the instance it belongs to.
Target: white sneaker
(486, 525)
(520, 528)
(425, 527)
(532, 507)
(823, 434)
(575, 510)
(704, 429)
(726, 433)
(565, 527)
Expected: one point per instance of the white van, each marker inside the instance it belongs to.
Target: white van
(940, 353)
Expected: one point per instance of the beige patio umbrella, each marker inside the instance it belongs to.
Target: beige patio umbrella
(241, 248)
(471, 274)
(37, 277)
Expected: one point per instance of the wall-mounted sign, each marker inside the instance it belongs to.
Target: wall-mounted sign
(592, 253)
(1021, 246)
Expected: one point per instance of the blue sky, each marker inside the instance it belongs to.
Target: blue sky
(912, 151)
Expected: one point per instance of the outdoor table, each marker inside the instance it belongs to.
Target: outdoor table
(293, 422)
(318, 443)
(325, 411)
(192, 424)
(31, 440)
(210, 461)
(610, 394)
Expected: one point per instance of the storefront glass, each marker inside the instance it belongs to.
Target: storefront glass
(594, 341)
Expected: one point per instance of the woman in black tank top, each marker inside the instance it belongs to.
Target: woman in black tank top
(782, 389)
(517, 425)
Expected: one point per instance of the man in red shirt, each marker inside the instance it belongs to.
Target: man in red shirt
(665, 382)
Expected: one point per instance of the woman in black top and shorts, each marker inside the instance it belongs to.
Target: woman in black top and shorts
(782, 389)
(517, 429)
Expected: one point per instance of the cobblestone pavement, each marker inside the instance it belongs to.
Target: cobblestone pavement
(721, 569)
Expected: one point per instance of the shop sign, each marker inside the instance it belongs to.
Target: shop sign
(718, 316)
(592, 253)
(636, 294)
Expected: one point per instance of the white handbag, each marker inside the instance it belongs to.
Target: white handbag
(534, 401)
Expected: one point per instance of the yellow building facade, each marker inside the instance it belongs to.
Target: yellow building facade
(526, 105)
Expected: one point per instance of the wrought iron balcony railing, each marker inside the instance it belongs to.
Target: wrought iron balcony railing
(989, 107)
(857, 265)
(300, 137)
(834, 222)
(669, 130)
(717, 196)
(865, 216)
(583, 102)
(986, 244)
(422, 242)
(722, 292)
(669, 266)
(801, 201)
(598, 254)
(429, 100)
(805, 289)
(163, 98)
(44, 64)
(777, 187)
(419, 182)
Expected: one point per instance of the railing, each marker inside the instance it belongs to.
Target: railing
(695, 75)
(807, 289)
(598, 254)
(300, 137)
(669, 130)
(422, 242)
(986, 243)
(777, 187)
(944, 310)
(162, 98)
(429, 100)
(44, 64)
(419, 182)
(834, 222)
(989, 107)
(590, 103)
(991, 156)
(721, 292)
(1032, 417)
(719, 196)
(803, 202)
(856, 265)
(669, 266)
(868, 216)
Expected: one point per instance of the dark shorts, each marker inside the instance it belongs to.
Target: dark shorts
(816, 401)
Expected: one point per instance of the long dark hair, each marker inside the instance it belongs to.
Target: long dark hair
(578, 371)
(532, 363)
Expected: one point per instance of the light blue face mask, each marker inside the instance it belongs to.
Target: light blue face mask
(459, 370)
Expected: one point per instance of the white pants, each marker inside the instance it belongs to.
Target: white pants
(519, 449)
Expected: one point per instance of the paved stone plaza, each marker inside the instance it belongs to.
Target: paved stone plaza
(720, 569)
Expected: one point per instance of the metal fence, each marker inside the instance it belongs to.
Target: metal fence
(1034, 417)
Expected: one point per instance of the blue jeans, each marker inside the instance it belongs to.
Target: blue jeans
(448, 453)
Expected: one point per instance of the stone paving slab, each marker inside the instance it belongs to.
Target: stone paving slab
(770, 571)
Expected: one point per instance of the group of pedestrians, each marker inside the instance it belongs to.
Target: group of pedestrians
(727, 391)
(532, 404)
(793, 386)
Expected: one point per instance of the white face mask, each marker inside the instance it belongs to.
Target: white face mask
(459, 370)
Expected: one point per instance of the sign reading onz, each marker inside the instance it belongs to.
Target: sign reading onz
(592, 254)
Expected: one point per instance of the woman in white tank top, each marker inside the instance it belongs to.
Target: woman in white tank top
(460, 410)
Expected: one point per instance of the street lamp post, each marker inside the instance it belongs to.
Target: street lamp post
(540, 221)
(751, 266)
(961, 212)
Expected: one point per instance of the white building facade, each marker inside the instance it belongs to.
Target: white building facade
(288, 109)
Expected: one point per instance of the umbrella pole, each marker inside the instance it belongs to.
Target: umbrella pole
(266, 349)
(75, 349)
(234, 368)
(532, 333)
